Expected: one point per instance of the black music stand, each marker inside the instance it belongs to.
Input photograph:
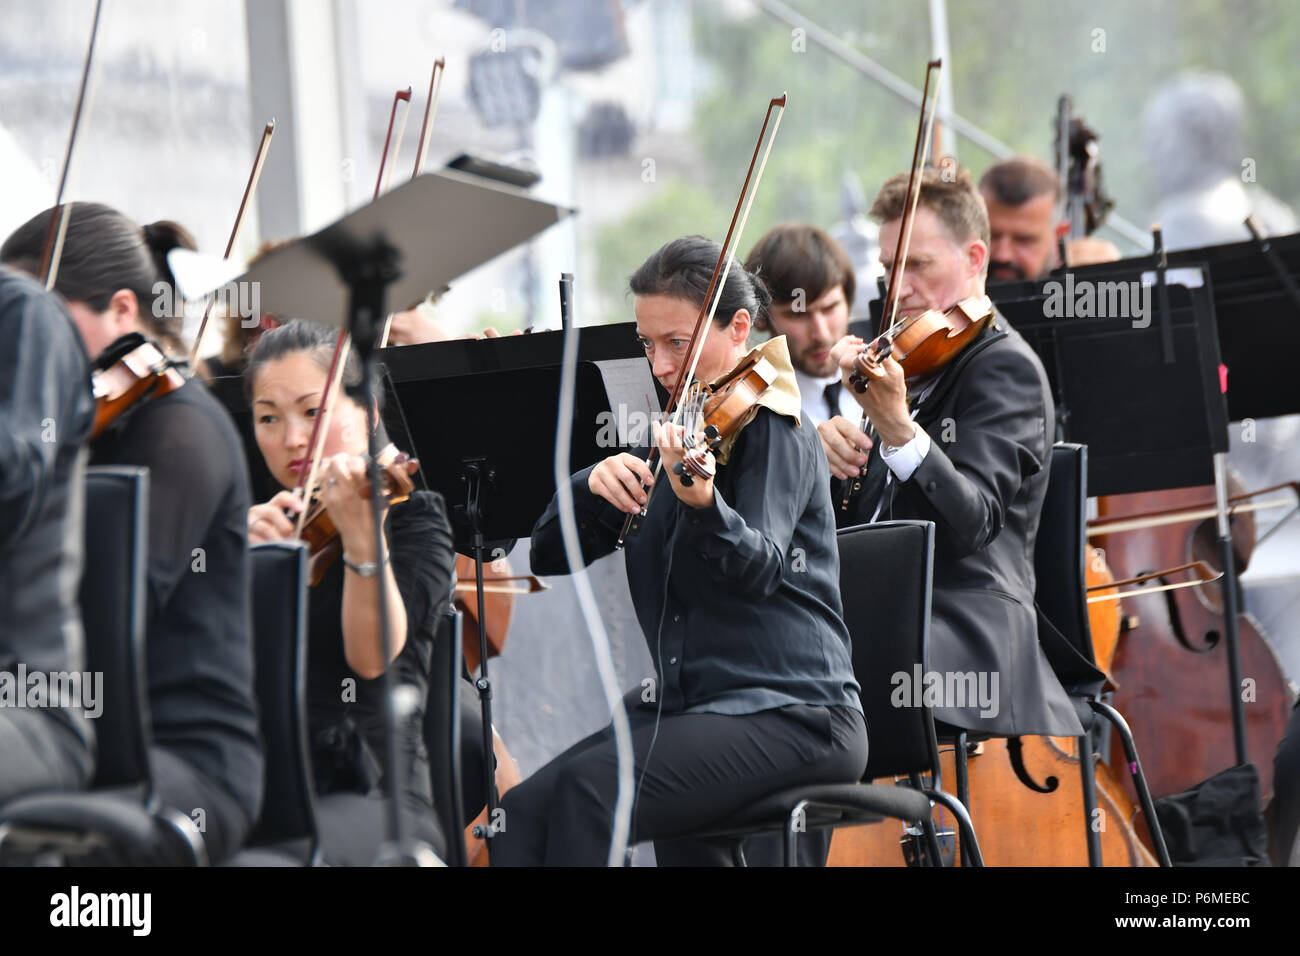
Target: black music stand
(481, 416)
(1257, 313)
(1144, 393)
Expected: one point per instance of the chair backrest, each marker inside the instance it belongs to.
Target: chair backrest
(280, 601)
(886, 572)
(113, 609)
(442, 732)
(1061, 591)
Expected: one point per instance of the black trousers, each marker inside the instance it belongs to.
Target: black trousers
(702, 768)
(37, 752)
(183, 788)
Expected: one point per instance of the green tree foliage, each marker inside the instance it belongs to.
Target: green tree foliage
(1009, 61)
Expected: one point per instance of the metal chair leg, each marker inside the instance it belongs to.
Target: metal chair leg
(930, 836)
(970, 847)
(797, 821)
(963, 775)
(963, 786)
(182, 825)
(1139, 778)
(1087, 772)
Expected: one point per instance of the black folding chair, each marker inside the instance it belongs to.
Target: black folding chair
(885, 580)
(286, 832)
(121, 809)
(1062, 599)
(442, 733)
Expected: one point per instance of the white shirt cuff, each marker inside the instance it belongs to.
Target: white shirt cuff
(905, 459)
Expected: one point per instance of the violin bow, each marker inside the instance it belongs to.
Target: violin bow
(529, 584)
(58, 227)
(430, 110)
(320, 428)
(342, 346)
(889, 313)
(399, 97)
(259, 159)
(717, 282)
(923, 134)
(422, 150)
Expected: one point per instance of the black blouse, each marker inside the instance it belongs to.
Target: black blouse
(199, 646)
(750, 617)
(345, 713)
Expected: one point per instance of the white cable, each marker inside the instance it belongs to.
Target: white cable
(587, 602)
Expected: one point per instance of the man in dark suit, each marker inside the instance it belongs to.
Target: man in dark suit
(968, 448)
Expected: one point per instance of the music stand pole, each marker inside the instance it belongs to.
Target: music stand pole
(566, 300)
(367, 273)
(1228, 588)
(476, 471)
(1227, 562)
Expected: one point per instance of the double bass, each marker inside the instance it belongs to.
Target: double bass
(1170, 668)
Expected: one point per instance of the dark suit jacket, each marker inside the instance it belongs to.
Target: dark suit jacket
(991, 422)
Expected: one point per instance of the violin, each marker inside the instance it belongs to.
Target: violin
(323, 543)
(926, 342)
(719, 411)
(132, 370)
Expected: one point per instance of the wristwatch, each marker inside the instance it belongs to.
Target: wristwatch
(366, 569)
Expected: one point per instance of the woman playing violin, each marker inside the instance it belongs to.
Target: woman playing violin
(205, 753)
(286, 381)
(735, 580)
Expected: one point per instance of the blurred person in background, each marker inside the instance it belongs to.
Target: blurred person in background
(46, 412)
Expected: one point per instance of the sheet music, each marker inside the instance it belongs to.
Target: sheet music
(633, 401)
(1188, 276)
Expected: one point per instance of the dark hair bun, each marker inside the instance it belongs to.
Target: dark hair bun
(761, 292)
(161, 238)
